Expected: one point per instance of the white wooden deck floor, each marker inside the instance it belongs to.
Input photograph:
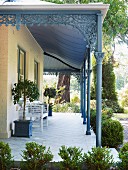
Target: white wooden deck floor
(63, 129)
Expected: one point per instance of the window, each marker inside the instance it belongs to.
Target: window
(36, 72)
(21, 64)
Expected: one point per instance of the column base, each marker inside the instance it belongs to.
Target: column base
(84, 122)
(88, 133)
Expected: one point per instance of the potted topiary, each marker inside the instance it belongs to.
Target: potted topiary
(50, 93)
(27, 90)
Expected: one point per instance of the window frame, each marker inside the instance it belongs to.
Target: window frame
(20, 50)
(37, 72)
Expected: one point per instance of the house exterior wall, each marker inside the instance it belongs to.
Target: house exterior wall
(10, 40)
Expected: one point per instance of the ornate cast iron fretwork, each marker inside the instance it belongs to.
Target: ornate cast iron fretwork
(85, 23)
(7, 20)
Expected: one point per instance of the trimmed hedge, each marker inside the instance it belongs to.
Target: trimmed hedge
(35, 156)
(98, 159)
(112, 133)
(105, 115)
(112, 130)
(6, 160)
(123, 155)
(72, 158)
(124, 148)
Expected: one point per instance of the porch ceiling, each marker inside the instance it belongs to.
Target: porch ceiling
(64, 44)
(60, 43)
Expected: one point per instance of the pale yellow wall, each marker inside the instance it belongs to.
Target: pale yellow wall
(13, 39)
(3, 80)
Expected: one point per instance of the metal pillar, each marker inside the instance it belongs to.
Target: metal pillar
(84, 92)
(81, 93)
(88, 132)
(99, 56)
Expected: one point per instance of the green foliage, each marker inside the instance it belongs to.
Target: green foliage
(124, 96)
(107, 111)
(59, 93)
(124, 148)
(123, 165)
(108, 105)
(108, 84)
(123, 155)
(71, 158)
(112, 130)
(112, 133)
(66, 107)
(105, 115)
(5, 156)
(36, 156)
(115, 23)
(26, 90)
(98, 159)
(75, 99)
(93, 119)
(114, 105)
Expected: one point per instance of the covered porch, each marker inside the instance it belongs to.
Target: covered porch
(68, 34)
(63, 129)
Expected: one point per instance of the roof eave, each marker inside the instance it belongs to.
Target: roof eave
(59, 7)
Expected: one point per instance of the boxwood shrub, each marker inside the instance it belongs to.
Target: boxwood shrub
(124, 148)
(105, 115)
(72, 158)
(123, 155)
(5, 156)
(123, 165)
(98, 159)
(36, 156)
(112, 133)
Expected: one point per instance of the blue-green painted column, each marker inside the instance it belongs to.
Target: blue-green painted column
(81, 93)
(99, 57)
(84, 92)
(88, 132)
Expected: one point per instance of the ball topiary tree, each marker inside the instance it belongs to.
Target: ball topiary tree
(27, 90)
(50, 93)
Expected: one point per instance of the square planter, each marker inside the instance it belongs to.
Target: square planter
(23, 128)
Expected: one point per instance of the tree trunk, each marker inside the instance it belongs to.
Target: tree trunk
(64, 81)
